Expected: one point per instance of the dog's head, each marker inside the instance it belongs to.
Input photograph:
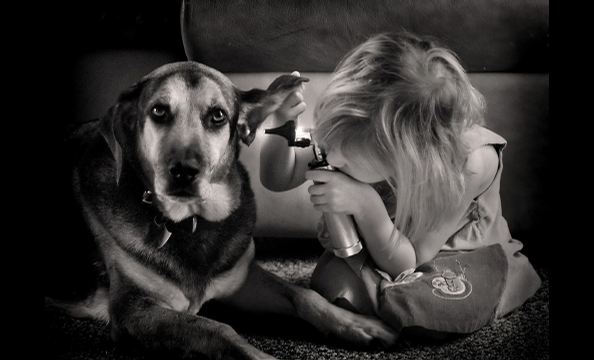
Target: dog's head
(179, 128)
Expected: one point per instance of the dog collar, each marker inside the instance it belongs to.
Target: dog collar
(188, 225)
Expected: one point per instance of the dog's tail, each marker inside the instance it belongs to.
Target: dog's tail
(95, 306)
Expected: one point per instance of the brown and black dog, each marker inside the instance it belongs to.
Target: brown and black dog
(170, 208)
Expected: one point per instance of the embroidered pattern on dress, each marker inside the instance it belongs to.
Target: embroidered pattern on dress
(450, 286)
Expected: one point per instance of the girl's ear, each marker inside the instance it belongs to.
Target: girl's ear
(256, 104)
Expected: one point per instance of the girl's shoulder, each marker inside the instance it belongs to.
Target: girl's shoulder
(481, 166)
(479, 136)
(483, 160)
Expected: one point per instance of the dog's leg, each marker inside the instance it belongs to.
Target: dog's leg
(267, 293)
(159, 328)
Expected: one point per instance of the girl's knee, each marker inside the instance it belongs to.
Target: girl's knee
(325, 276)
(334, 279)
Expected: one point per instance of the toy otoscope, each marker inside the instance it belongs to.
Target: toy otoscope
(341, 227)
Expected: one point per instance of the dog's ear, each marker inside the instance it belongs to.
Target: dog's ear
(120, 117)
(106, 128)
(257, 104)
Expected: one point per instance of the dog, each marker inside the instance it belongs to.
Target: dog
(170, 208)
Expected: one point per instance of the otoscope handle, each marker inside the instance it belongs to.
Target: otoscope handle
(345, 240)
(341, 227)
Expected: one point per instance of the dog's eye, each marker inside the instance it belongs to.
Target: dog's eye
(218, 117)
(159, 112)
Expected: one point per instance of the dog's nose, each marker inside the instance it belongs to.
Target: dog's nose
(183, 172)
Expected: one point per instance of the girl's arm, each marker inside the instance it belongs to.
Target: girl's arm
(481, 166)
(376, 227)
(283, 167)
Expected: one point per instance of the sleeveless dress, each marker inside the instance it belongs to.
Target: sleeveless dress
(479, 274)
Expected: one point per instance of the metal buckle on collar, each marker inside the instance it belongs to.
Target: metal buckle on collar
(147, 197)
(160, 220)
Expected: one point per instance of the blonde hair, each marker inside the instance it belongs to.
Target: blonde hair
(401, 103)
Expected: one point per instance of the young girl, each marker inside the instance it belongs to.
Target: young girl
(420, 175)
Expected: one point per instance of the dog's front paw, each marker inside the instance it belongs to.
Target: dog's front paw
(345, 325)
(369, 331)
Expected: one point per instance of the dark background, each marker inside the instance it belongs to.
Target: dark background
(88, 27)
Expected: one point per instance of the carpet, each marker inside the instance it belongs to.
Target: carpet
(523, 334)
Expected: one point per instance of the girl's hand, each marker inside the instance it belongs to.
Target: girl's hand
(336, 192)
(293, 106)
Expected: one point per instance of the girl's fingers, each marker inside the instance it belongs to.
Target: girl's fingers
(292, 106)
(296, 73)
(317, 189)
(295, 98)
(323, 208)
(317, 199)
(296, 110)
